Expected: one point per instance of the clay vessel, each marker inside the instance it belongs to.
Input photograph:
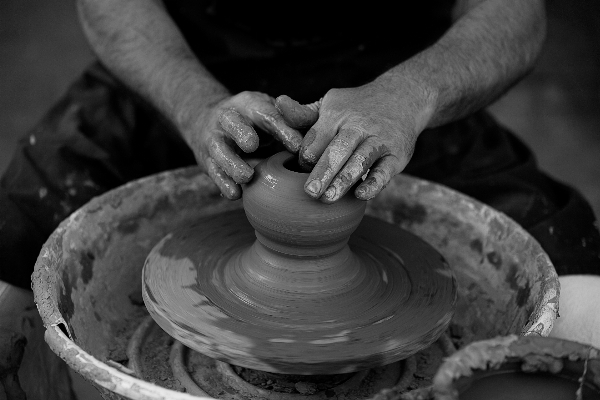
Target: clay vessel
(301, 244)
(288, 221)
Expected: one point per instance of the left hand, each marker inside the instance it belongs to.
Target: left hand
(371, 128)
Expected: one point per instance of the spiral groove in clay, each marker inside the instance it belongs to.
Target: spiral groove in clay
(298, 296)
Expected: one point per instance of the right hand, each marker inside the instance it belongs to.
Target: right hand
(232, 121)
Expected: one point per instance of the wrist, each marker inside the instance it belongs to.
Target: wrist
(194, 105)
(412, 91)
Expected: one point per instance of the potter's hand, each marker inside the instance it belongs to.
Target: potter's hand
(369, 128)
(232, 121)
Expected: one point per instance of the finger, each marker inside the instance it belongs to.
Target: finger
(295, 114)
(268, 119)
(229, 161)
(239, 129)
(378, 178)
(333, 159)
(226, 185)
(315, 142)
(259, 109)
(357, 166)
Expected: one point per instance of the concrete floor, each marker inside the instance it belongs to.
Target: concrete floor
(556, 109)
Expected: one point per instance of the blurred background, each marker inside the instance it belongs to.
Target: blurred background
(556, 109)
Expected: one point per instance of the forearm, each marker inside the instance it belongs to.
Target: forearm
(139, 43)
(486, 51)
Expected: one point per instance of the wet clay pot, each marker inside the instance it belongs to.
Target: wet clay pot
(303, 288)
(520, 368)
(289, 222)
(87, 280)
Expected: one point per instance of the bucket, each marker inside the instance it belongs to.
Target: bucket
(87, 278)
(520, 368)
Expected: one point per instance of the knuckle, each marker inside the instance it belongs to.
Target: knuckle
(244, 95)
(358, 126)
(252, 97)
(223, 115)
(359, 159)
(333, 92)
(213, 146)
(316, 105)
(229, 111)
(271, 118)
(209, 164)
(329, 171)
(341, 143)
(227, 116)
(352, 173)
(380, 175)
(346, 179)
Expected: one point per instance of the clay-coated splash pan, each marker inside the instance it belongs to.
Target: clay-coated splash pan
(87, 279)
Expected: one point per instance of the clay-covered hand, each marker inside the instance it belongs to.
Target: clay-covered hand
(371, 128)
(232, 122)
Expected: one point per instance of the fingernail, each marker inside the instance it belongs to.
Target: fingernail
(307, 159)
(330, 193)
(363, 191)
(314, 187)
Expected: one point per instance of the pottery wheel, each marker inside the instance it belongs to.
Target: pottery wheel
(216, 288)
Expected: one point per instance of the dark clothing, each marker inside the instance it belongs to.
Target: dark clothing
(101, 135)
(97, 137)
(306, 49)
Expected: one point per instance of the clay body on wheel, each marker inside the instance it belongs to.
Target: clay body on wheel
(313, 291)
(288, 221)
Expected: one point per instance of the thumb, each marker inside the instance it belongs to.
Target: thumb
(296, 115)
